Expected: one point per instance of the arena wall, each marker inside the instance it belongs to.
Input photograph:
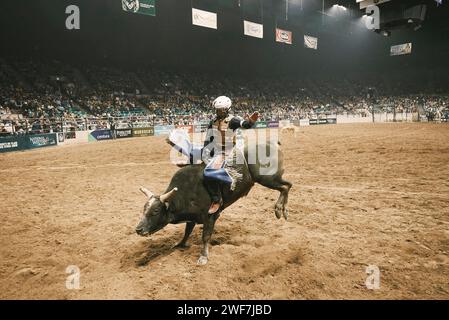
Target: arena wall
(15, 143)
(378, 117)
(73, 137)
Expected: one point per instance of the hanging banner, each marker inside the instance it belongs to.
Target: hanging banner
(146, 7)
(283, 36)
(311, 42)
(252, 29)
(204, 18)
(400, 49)
(366, 3)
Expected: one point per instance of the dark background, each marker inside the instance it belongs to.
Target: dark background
(109, 36)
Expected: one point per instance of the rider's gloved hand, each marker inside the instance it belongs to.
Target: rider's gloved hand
(253, 118)
(169, 141)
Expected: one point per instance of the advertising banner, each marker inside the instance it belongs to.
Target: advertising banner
(146, 7)
(103, 134)
(366, 3)
(42, 140)
(123, 133)
(260, 125)
(272, 124)
(400, 49)
(311, 42)
(322, 121)
(252, 29)
(143, 132)
(11, 144)
(204, 18)
(15, 143)
(283, 36)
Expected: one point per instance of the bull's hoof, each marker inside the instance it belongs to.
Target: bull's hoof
(278, 211)
(285, 213)
(202, 260)
(181, 246)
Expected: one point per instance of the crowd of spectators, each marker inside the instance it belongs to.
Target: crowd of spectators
(51, 96)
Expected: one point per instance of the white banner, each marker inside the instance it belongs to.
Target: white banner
(252, 29)
(366, 3)
(204, 18)
(311, 42)
(405, 48)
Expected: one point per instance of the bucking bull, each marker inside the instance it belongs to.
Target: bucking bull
(186, 199)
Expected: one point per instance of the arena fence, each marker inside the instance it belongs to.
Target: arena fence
(72, 136)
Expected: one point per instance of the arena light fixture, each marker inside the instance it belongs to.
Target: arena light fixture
(339, 7)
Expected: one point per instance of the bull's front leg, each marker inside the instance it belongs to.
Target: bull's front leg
(208, 229)
(188, 231)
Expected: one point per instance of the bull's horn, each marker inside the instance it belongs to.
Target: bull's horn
(146, 192)
(167, 196)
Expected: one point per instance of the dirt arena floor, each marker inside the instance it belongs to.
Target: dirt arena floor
(362, 195)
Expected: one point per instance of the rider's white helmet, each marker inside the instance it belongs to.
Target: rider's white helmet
(222, 102)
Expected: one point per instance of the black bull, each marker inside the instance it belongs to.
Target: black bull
(186, 199)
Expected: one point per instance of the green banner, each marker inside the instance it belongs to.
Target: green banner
(14, 143)
(260, 124)
(41, 140)
(147, 7)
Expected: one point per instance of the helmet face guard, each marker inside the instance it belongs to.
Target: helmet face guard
(222, 113)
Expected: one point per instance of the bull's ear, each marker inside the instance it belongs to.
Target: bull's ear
(167, 196)
(146, 192)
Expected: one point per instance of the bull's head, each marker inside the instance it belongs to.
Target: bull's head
(155, 212)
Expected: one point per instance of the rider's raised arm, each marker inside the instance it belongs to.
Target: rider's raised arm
(238, 122)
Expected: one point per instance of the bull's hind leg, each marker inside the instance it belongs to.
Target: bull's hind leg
(281, 185)
(208, 229)
(188, 231)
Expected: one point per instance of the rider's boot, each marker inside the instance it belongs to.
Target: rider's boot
(213, 187)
